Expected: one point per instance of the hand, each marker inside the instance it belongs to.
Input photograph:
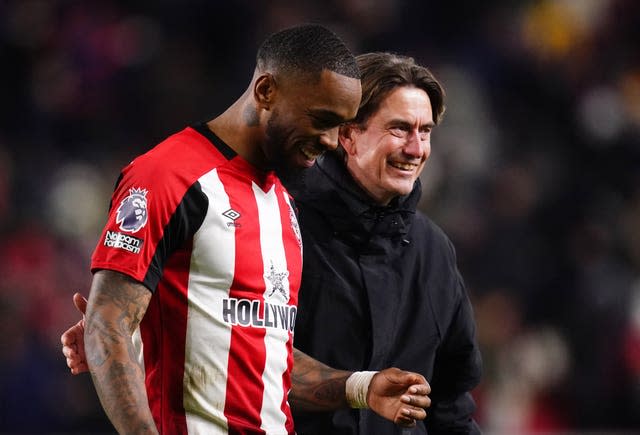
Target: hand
(399, 396)
(73, 340)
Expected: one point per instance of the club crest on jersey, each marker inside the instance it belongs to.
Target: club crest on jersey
(132, 211)
(294, 226)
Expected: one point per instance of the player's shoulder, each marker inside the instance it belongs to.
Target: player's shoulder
(185, 155)
(184, 147)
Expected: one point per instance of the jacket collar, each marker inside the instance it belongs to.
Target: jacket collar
(329, 188)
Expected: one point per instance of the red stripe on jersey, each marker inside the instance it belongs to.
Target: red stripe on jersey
(163, 331)
(247, 354)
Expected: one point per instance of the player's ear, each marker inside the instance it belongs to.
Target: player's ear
(264, 91)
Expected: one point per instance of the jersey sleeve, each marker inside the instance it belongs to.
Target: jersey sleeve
(154, 211)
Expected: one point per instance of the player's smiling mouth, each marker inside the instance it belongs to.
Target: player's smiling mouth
(310, 152)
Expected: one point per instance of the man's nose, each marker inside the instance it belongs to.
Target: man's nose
(415, 147)
(329, 139)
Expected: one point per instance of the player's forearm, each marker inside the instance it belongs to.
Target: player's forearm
(115, 309)
(120, 386)
(316, 386)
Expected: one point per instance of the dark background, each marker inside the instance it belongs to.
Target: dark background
(534, 174)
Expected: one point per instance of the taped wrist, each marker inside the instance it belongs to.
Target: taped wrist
(357, 387)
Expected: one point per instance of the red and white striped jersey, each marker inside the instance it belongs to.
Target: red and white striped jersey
(217, 242)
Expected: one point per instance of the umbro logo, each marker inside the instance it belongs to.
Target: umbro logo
(233, 215)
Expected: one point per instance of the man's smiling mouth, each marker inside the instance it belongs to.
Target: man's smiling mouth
(403, 166)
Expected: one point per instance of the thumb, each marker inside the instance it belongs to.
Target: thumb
(407, 378)
(80, 302)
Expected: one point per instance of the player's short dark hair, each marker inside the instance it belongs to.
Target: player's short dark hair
(381, 73)
(308, 48)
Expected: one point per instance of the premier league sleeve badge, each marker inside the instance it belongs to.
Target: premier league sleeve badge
(132, 211)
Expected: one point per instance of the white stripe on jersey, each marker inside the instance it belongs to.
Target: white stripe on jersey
(207, 347)
(275, 262)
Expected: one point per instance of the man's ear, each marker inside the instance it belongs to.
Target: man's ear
(347, 134)
(264, 91)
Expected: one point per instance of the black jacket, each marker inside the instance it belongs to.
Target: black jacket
(380, 288)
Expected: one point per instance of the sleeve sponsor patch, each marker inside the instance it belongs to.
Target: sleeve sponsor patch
(114, 239)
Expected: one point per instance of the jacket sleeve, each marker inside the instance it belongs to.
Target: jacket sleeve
(457, 370)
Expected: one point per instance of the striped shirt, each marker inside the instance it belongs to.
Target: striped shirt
(217, 242)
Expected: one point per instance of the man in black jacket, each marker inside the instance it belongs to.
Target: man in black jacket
(380, 285)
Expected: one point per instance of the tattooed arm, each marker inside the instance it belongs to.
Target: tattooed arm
(116, 306)
(316, 386)
(394, 394)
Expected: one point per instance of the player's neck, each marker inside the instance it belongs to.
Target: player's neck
(239, 133)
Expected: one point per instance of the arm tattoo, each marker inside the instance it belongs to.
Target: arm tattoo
(120, 294)
(122, 402)
(116, 307)
(316, 386)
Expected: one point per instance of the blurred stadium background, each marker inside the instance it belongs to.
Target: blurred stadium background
(534, 174)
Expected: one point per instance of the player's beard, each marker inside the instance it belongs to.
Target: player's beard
(276, 152)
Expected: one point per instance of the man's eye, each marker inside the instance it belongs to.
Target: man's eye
(398, 131)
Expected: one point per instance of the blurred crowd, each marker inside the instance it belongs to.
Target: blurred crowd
(534, 174)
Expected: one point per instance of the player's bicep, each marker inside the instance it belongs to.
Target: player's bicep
(116, 306)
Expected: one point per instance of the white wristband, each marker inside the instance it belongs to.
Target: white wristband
(357, 387)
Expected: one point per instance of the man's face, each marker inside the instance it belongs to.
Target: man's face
(304, 122)
(386, 156)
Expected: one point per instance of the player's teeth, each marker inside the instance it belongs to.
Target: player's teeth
(309, 154)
